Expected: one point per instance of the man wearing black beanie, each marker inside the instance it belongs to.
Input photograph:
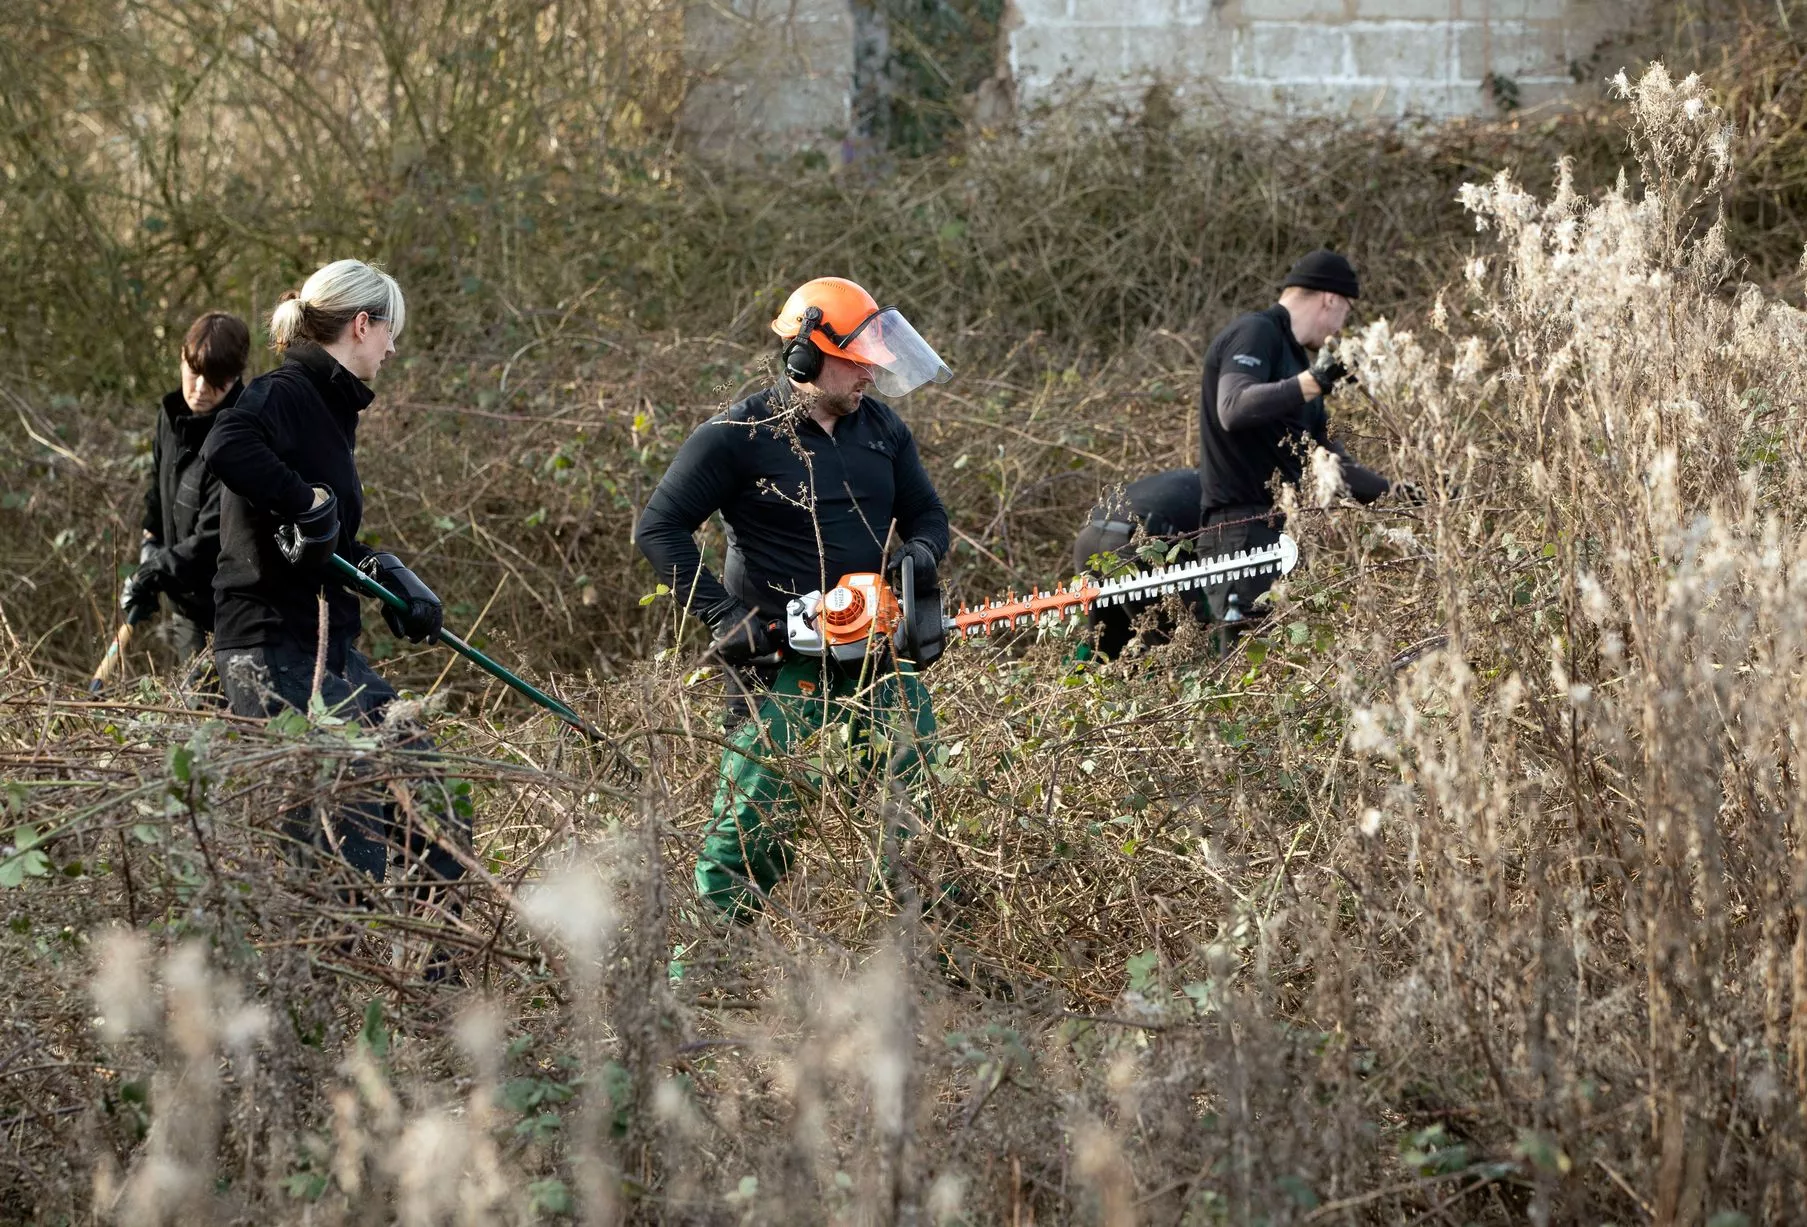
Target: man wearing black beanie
(1261, 410)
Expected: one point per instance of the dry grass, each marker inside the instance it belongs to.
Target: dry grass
(1467, 891)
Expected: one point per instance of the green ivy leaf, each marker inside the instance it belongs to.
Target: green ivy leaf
(550, 1196)
(374, 1035)
(21, 865)
(305, 1186)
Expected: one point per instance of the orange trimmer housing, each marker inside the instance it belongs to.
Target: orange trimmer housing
(857, 608)
(843, 621)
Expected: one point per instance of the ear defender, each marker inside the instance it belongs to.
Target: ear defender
(802, 356)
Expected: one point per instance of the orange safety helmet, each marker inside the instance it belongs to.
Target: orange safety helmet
(844, 305)
(832, 315)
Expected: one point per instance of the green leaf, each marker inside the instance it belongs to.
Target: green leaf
(305, 1186)
(374, 1035)
(550, 1196)
(1141, 969)
(22, 865)
(1300, 1192)
(288, 723)
(181, 763)
(619, 1085)
(1542, 1152)
(523, 1094)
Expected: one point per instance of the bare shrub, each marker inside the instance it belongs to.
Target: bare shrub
(1467, 887)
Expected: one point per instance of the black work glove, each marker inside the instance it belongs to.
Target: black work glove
(1328, 371)
(740, 635)
(138, 599)
(308, 540)
(923, 554)
(425, 615)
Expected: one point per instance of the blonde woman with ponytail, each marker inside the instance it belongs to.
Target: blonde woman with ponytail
(285, 457)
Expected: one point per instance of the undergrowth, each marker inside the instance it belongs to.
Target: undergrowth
(1467, 886)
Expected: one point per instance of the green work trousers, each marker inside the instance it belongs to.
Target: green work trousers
(870, 733)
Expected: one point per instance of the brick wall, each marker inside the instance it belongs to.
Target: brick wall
(1345, 57)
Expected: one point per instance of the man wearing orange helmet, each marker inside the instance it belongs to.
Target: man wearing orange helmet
(813, 479)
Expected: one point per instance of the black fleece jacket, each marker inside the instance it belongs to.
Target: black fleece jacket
(778, 479)
(1254, 420)
(294, 428)
(182, 505)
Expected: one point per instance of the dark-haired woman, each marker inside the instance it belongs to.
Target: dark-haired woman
(285, 455)
(182, 504)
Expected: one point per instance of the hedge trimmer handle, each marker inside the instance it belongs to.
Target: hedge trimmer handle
(921, 635)
(906, 608)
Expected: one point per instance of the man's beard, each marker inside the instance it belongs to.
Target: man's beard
(837, 404)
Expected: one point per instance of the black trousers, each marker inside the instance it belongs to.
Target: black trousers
(1114, 626)
(1243, 527)
(268, 680)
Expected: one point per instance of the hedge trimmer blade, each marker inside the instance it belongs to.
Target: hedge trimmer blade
(1012, 612)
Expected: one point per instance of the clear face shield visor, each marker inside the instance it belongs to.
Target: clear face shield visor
(899, 359)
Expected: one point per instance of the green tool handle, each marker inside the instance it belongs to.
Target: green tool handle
(369, 587)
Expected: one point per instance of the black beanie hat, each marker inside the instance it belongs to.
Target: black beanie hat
(1324, 270)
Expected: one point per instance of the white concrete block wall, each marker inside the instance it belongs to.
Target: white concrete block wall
(769, 76)
(1361, 57)
(777, 75)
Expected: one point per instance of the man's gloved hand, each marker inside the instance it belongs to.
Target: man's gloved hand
(1328, 371)
(308, 541)
(924, 556)
(739, 635)
(425, 615)
(138, 598)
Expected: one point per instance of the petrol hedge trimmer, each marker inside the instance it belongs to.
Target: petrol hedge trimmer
(861, 608)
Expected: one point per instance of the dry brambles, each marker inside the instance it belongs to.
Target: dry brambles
(1470, 889)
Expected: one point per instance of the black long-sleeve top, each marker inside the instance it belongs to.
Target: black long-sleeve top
(182, 505)
(1254, 419)
(294, 428)
(778, 479)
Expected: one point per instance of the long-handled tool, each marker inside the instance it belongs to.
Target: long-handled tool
(116, 650)
(122, 639)
(369, 587)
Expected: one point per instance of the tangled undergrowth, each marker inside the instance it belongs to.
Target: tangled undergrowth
(1468, 888)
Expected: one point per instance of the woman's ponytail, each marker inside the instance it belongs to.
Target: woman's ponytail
(286, 320)
(334, 296)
